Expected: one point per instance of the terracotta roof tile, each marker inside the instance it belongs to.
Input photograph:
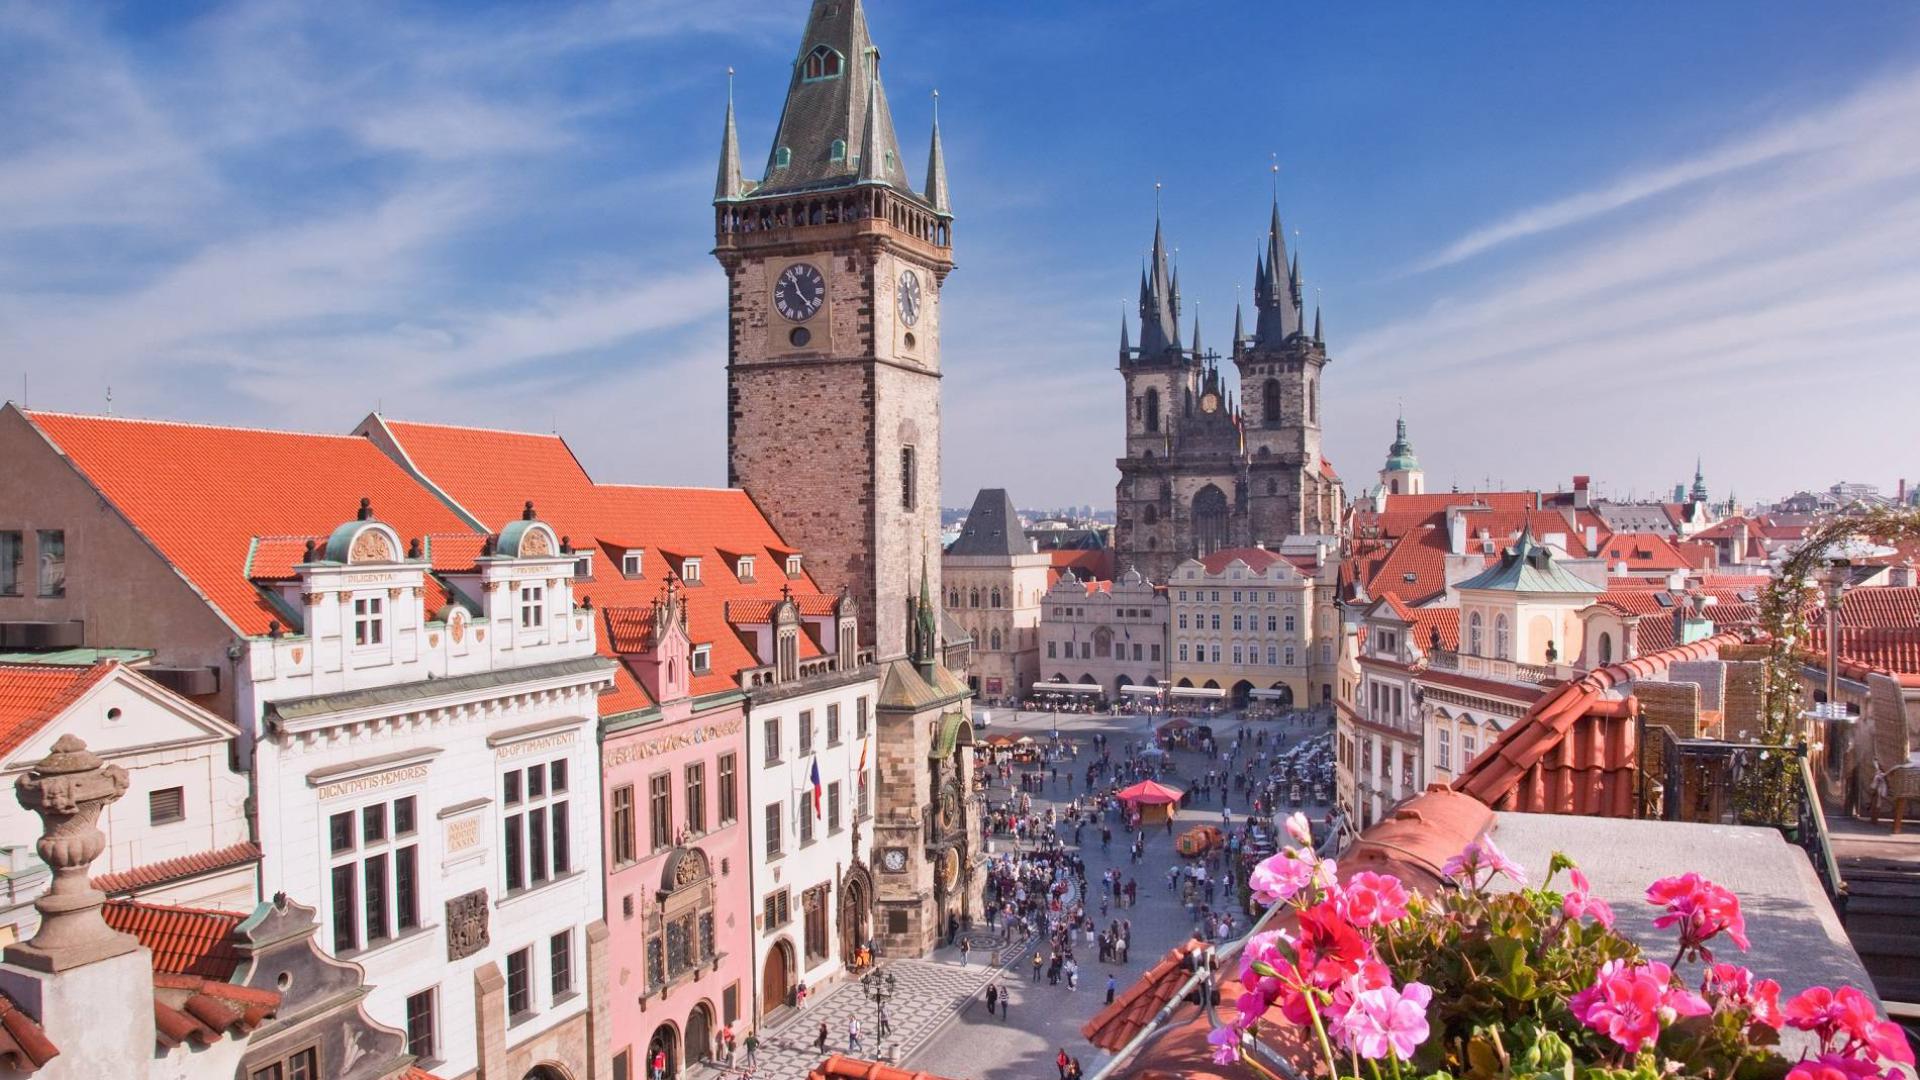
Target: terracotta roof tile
(202, 494)
(1892, 650)
(185, 941)
(188, 1008)
(1115, 1026)
(1257, 559)
(841, 1067)
(1574, 753)
(176, 869)
(1882, 605)
(33, 694)
(24, 1045)
(1642, 552)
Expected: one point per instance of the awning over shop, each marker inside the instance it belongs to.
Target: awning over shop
(1143, 691)
(1199, 691)
(1268, 693)
(1148, 791)
(1071, 687)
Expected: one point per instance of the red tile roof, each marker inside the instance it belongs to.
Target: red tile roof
(187, 1008)
(185, 941)
(1882, 605)
(1642, 552)
(1257, 559)
(841, 1067)
(178, 869)
(33, 694)
(1573, 752)
(491, 474)
(24, 1045)
(1115, 1026)
(1893, 650)
(200, 495)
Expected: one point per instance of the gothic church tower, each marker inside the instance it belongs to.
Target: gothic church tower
(834, 268)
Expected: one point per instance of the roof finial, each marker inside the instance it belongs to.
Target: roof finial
(729, 84)
(936, 104)
(1275, 167)
(1156, 201)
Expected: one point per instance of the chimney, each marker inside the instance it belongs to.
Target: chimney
(1457, 533)
(1581, 499)
(1593, 538)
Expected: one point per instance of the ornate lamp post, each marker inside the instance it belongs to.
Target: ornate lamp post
(1834, 723)
(880, 988)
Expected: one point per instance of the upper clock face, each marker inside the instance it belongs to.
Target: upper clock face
(799, 292)
(1209, 401)
(910, 297)
(895, 859)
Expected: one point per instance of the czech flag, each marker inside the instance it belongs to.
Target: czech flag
(816, 786)
(863, 757)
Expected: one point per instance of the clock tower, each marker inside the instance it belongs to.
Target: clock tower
(834, 268)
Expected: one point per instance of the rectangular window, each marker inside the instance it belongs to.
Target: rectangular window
(774, 911)
(1216, 654)
(422, 1031)
(1183, 652)
(1445, 748)
(520, 982)
(1236, 596)
(806, 731)
(53, 562)
(1236, 655)
(775, 830)
(623, 1065)
(560, 963)
(1183, 620)
(369, 621)
(1050, 653)
(793, 566)
(1287, 657)
(743, 568)
(702, 659)
(374, 888)
(660, 810)
(533, 606)
(729, 788)
(1469, 746)
(1086, 650)
(730, 1004)
(1153, 653)
(1289, 624)
(804, 803)
(538, 834)
(690, 570)
(1136, 650)
(1236, 621)
(696, 783)
(860, 718)
(770, 732)
(1216, 620)
(1273, 624)
(909, 479)
(833, 725)
(1273, 656)
(166, 806)
(833, 807)
(624, 836)
(12, 557)
(632, 562)
(860, 796)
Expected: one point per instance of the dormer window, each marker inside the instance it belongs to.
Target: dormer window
(838, 151)
(632, 562)
(583, 566)
(793, 566)
(782, 158)
(702, 659)
(743, 568)
(369, 621)
(823, 63)
(690, 571)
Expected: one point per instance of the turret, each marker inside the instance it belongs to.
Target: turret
(729, 187)
(936, 192)
(1276, 292)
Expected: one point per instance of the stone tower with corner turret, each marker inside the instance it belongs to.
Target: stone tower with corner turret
(835, 265)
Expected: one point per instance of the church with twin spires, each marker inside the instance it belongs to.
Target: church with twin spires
(1214, 459)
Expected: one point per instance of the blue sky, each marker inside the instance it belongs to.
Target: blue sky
(1570, 238)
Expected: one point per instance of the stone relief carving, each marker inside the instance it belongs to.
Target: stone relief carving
(467, 931)
(371, 545)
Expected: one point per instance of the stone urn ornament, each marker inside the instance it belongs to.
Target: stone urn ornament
(68, 788)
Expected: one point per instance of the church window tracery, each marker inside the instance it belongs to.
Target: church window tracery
(1270, 403)
(823, 63)
(1153, 409)
(838, 151)
(782, 158)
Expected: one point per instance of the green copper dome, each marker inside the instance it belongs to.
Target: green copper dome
(1400, 455)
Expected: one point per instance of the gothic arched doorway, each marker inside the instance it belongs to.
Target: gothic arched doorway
(856, 911)
(1209, 520)
(699, 1040)
(664, 1047)
(776, 978)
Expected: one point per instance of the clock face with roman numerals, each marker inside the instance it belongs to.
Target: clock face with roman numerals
(910, 297)
(799, 292)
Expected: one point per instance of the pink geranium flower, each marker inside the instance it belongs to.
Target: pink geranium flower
(1701, 909)
(1629, 1004)
(1736, 986)
(1847, 1011)
(1280, 877)
(1580, 902)
(1371, 898)
(1834, 1067)
(1299, 828)
(1226, 1045)
(1482, 855)
(1386, 1021)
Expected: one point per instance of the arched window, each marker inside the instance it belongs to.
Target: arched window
(953, 598)
(994, 600)
(1153, 409)
(782, 158)
(1313, 403)
(1270, 403)
(973, 597)
(823, 63)
(1210, 520)
(994, 641)
(1606, 648)
(1475, 640)
(838, 152)
(1502, 638)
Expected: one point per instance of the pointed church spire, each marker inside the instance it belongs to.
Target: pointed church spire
(1238, 331)
(873, 164)
(1124, 348)
(729, 187)
(936, 192)
(1159, 330)
(1199, 353)
(833, 98)
(1278, 310)
(926, 634)
(1317, 339)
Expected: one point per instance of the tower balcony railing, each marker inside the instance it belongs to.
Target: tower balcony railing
(841, 206)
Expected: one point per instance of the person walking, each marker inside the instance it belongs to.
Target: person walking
(993, 998)
(752, 1044)
(1111, 987)
(658, 1065)
(886, 1022)
(853, 1035)
(1061, 1061)
(820, 1039)
(966, 948)
(1036, 965)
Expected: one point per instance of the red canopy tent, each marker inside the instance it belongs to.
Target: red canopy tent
(1150, 793)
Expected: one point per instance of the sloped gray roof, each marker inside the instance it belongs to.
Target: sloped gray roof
(992, 528)
(1529, 567)
(820, 110)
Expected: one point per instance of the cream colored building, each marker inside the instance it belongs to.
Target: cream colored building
(1112, 634)
(1254, 624)
(995, 580)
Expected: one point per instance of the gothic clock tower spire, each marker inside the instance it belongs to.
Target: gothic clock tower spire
(834, 271)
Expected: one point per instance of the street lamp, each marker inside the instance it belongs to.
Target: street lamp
(1831, 713)
(880, 988)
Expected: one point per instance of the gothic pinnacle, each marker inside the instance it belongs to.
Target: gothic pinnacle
(936, 191)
